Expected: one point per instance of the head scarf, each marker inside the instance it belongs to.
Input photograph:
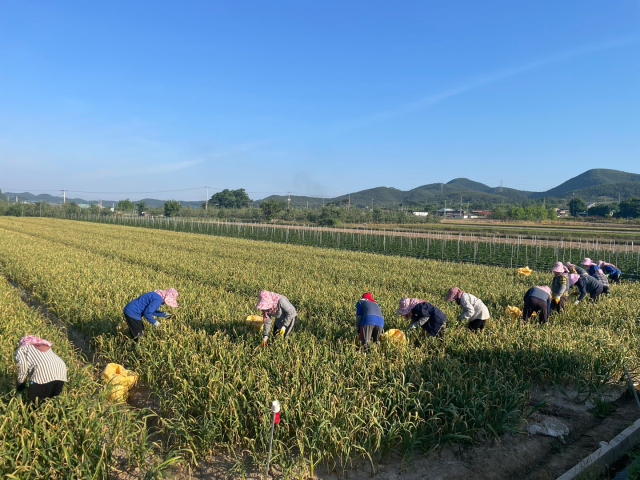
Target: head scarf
(169, 296)
(558, 268)
(35, 341)
(569, 264)
(602, 263)
(544, 288)
(268, 302)
(369, 297)
(587, 262)
(406, 304)
(573, 278)
(454, 293)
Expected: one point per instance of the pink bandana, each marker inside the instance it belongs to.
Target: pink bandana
(454, 293)
(268, 302)
(573, 278)
(406, 304)
(169, 296)
(544, 288)
(33, 340)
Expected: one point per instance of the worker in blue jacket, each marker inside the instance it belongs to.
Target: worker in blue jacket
(147, 306)
(369, 320)
(611, 270)
(422, 314)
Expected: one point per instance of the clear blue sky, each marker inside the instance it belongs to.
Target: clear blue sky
(314, 97)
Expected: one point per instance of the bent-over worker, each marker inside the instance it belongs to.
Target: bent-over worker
(537, 299)
(278, 306)
(423, 314)
(586, 284)
(611, 270)
(147, 306)
(559, 287)
(369, 320)
(47, 370)
(474, 310)
(599, 275)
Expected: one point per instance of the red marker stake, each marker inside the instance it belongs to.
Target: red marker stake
(275, 409)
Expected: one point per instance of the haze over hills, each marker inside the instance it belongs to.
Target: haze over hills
(603, 185)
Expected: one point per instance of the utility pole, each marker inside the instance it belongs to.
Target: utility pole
(206, 202)
(349, 207)
(460, 206)
(288, 200)
(64, 196)
(445, 210)
(307, 204)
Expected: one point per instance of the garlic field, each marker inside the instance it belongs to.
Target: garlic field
(215, 383)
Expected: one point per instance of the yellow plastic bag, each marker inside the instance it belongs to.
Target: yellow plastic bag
(255, 322)
(524, 271)
(513, 312)
(394, 335)
(120, 379)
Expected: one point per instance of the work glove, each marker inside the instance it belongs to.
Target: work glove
(157, 324)
(576, 302)
(281, 332)
(168, 315)
(21, 386)
(264, 341)
(410, 329)
(557, 300)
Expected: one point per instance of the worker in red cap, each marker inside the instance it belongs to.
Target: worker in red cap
(369, 320)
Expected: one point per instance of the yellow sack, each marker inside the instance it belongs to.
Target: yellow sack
(120, 379)
(513, 312)
(524, 271)
(394, 335)
(255, 322)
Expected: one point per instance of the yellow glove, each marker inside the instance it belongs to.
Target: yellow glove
(281, 332)
(557, 300)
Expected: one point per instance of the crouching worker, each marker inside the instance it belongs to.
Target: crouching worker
(610, 270)
(369, 320)
(473, 309)
(47, 370)
(274, 304)
(586, 284)
(147, 306)
(537, 299)
(423, 314)
(559, 287)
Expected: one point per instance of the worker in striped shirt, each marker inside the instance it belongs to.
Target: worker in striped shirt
(47, 371)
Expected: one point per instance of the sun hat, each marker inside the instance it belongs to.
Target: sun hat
(558, 268)
(573, 278)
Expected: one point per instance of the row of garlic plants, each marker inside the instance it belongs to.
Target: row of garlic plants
(76, 435)
(500, 250)
(215, 384)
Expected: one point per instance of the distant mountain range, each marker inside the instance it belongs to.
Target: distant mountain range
(593, 185)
